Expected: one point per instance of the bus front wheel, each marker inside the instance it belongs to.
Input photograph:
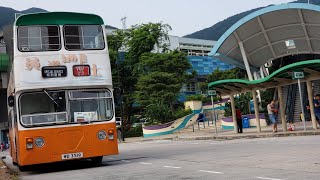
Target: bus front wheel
(22, 168)
(97, 160)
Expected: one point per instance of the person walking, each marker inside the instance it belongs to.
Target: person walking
(239, 119)
(272, 112)
(317, 107)
(2, 147)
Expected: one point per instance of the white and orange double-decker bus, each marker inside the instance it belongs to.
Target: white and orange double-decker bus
(60, 101)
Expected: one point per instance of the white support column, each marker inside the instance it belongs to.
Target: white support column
(255, 75)
(261, 72)
(282, 110)
(256, 110)
(311, 104)
(234, 117)
(245, 60)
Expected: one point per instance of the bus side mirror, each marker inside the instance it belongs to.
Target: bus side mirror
(11, 101)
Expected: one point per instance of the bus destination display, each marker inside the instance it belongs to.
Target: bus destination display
(54, 71)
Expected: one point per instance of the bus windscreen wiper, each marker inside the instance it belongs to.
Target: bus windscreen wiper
(51, 98)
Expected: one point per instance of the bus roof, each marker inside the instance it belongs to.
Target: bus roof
(58, 18)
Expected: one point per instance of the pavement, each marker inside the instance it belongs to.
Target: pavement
(6, 167)
(283, 158)
(210, 133)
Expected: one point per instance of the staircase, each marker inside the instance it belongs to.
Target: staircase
(297, 104)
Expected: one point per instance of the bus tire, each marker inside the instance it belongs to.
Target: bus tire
(22, 168)
(97, 160)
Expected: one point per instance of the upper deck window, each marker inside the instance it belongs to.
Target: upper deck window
(83, 37)
(38, 38)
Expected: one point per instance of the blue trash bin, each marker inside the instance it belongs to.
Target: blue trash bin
(245, 122)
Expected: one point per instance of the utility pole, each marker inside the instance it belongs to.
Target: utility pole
(124, 23)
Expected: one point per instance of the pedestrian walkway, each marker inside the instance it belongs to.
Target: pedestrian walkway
(209, 133)
(4, 153)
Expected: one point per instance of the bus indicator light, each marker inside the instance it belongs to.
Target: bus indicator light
(29, 140)
(29, 143)
(81, 70)
(111, 134)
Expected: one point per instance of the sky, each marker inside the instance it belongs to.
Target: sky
(184, 16)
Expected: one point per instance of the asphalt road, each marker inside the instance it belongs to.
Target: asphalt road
(270, 159)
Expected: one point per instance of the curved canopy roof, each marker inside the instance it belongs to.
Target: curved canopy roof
(282, 76)
(271, 33)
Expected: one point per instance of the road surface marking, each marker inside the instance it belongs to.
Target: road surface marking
(3, 167)
(174, 167)
(213, 172)
(111, 158)
(268, 178)
(145, 163)
(125, 161)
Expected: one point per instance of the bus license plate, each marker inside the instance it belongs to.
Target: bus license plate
(72, 155)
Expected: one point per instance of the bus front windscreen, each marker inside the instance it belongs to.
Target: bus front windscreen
(41, 108)
(63, 107)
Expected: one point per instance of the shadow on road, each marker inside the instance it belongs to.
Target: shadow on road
(74, 165)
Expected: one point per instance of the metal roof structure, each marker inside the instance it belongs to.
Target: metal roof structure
(281, 77)
(269, 34)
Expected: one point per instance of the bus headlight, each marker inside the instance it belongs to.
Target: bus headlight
(39, 142)
(102, 135)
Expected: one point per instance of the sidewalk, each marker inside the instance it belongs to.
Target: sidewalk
(6, 171)
(209, 133)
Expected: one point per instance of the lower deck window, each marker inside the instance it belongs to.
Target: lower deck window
(43, 108)
(90, 106)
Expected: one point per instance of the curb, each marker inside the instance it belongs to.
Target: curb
(222, 138)
(8, 162)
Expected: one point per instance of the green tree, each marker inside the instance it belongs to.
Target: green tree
(235, 73)
(158, 113)
(161, 77)
(135, 41)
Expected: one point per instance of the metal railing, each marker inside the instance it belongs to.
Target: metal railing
(203, 122)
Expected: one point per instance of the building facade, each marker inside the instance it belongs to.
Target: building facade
(4, 60)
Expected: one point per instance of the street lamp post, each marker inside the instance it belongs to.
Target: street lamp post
(120, 93)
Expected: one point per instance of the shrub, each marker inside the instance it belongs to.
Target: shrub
(158, 113)
(134, 132)
(208, 99)
(196, 97)
(181, 113)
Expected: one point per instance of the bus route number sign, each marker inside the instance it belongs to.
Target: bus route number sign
(54, 71)
(81, 70)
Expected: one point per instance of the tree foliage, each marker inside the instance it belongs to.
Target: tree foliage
(135, 42)
(235, 73)
(144, 38)
(161, 77)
